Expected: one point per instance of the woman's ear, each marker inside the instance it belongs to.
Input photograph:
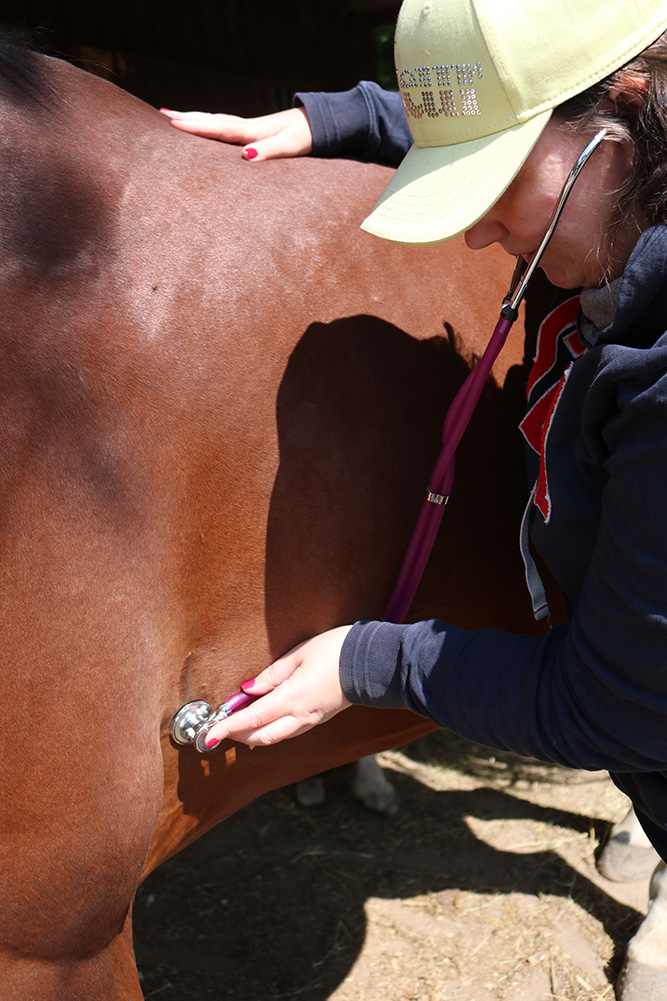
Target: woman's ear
(629, 89)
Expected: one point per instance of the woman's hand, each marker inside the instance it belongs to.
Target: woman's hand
(286, 133)
(298, 691)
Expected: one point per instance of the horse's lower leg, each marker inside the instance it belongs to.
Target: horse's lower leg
(644, 974)
(628, 853)
(369, 786)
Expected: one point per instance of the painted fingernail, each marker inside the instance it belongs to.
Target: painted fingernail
(250, 153)
(211, 742)
(246, 685)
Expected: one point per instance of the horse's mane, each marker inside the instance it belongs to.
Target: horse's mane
(21, 74)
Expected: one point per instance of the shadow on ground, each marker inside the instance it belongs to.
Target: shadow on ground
(270, 904)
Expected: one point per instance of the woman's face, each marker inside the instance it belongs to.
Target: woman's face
(580, 252)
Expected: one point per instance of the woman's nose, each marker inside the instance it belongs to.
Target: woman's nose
(485, 232)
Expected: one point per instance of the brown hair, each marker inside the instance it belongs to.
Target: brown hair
(637, 117)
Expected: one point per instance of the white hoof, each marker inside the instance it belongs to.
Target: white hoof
(639, 982)
(371, 787)
(628, 853)
(310, 792)
(644, 973)
(622, 862)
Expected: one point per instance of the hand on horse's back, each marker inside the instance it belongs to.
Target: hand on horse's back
(285, 133)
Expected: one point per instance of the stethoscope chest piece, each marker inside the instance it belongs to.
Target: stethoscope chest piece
(187, 722)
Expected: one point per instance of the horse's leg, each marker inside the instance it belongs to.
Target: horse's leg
(70, 868)
(628, 853)
(369, 786)
(644, 973)
(110, 975)
(372, 788)
(310, 792)
(82, 763)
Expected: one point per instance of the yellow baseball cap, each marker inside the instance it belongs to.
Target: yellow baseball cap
(479, 80)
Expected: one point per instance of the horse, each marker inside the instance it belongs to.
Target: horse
(220, 402)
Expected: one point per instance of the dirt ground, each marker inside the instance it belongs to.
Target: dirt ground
(482, 888)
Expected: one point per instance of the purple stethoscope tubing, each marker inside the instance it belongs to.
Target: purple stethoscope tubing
(461, 410)
(237, 701)
(442, 477)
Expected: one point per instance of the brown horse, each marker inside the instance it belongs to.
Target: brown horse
(220, 403)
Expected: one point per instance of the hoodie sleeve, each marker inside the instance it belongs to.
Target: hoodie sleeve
(366, 123)
(590, 694)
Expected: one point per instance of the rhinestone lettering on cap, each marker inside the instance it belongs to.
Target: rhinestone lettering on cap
(447, 104)
(412, 110)
(465, 73)
(443, 100)
(469, 104)
(443, 77)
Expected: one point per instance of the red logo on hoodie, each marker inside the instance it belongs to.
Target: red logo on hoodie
(558, 344)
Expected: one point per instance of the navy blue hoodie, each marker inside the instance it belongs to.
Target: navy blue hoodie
(591, 693)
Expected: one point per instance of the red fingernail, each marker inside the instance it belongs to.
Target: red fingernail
(245, 685)
(250, 153)
(212, 741)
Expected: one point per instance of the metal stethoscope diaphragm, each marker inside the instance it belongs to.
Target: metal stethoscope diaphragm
(194, 721)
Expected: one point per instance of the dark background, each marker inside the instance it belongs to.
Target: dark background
(245, 57)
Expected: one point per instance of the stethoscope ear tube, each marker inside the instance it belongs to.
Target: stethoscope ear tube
(521, 277)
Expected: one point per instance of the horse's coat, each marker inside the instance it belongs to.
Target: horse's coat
(219, 405)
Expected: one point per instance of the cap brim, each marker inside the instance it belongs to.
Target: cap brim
(440, 191)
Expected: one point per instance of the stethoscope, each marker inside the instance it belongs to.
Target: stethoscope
(193, 721)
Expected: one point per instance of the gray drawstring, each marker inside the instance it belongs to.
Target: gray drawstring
(536, 590)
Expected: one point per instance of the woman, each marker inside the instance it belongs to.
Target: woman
(501, 99)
